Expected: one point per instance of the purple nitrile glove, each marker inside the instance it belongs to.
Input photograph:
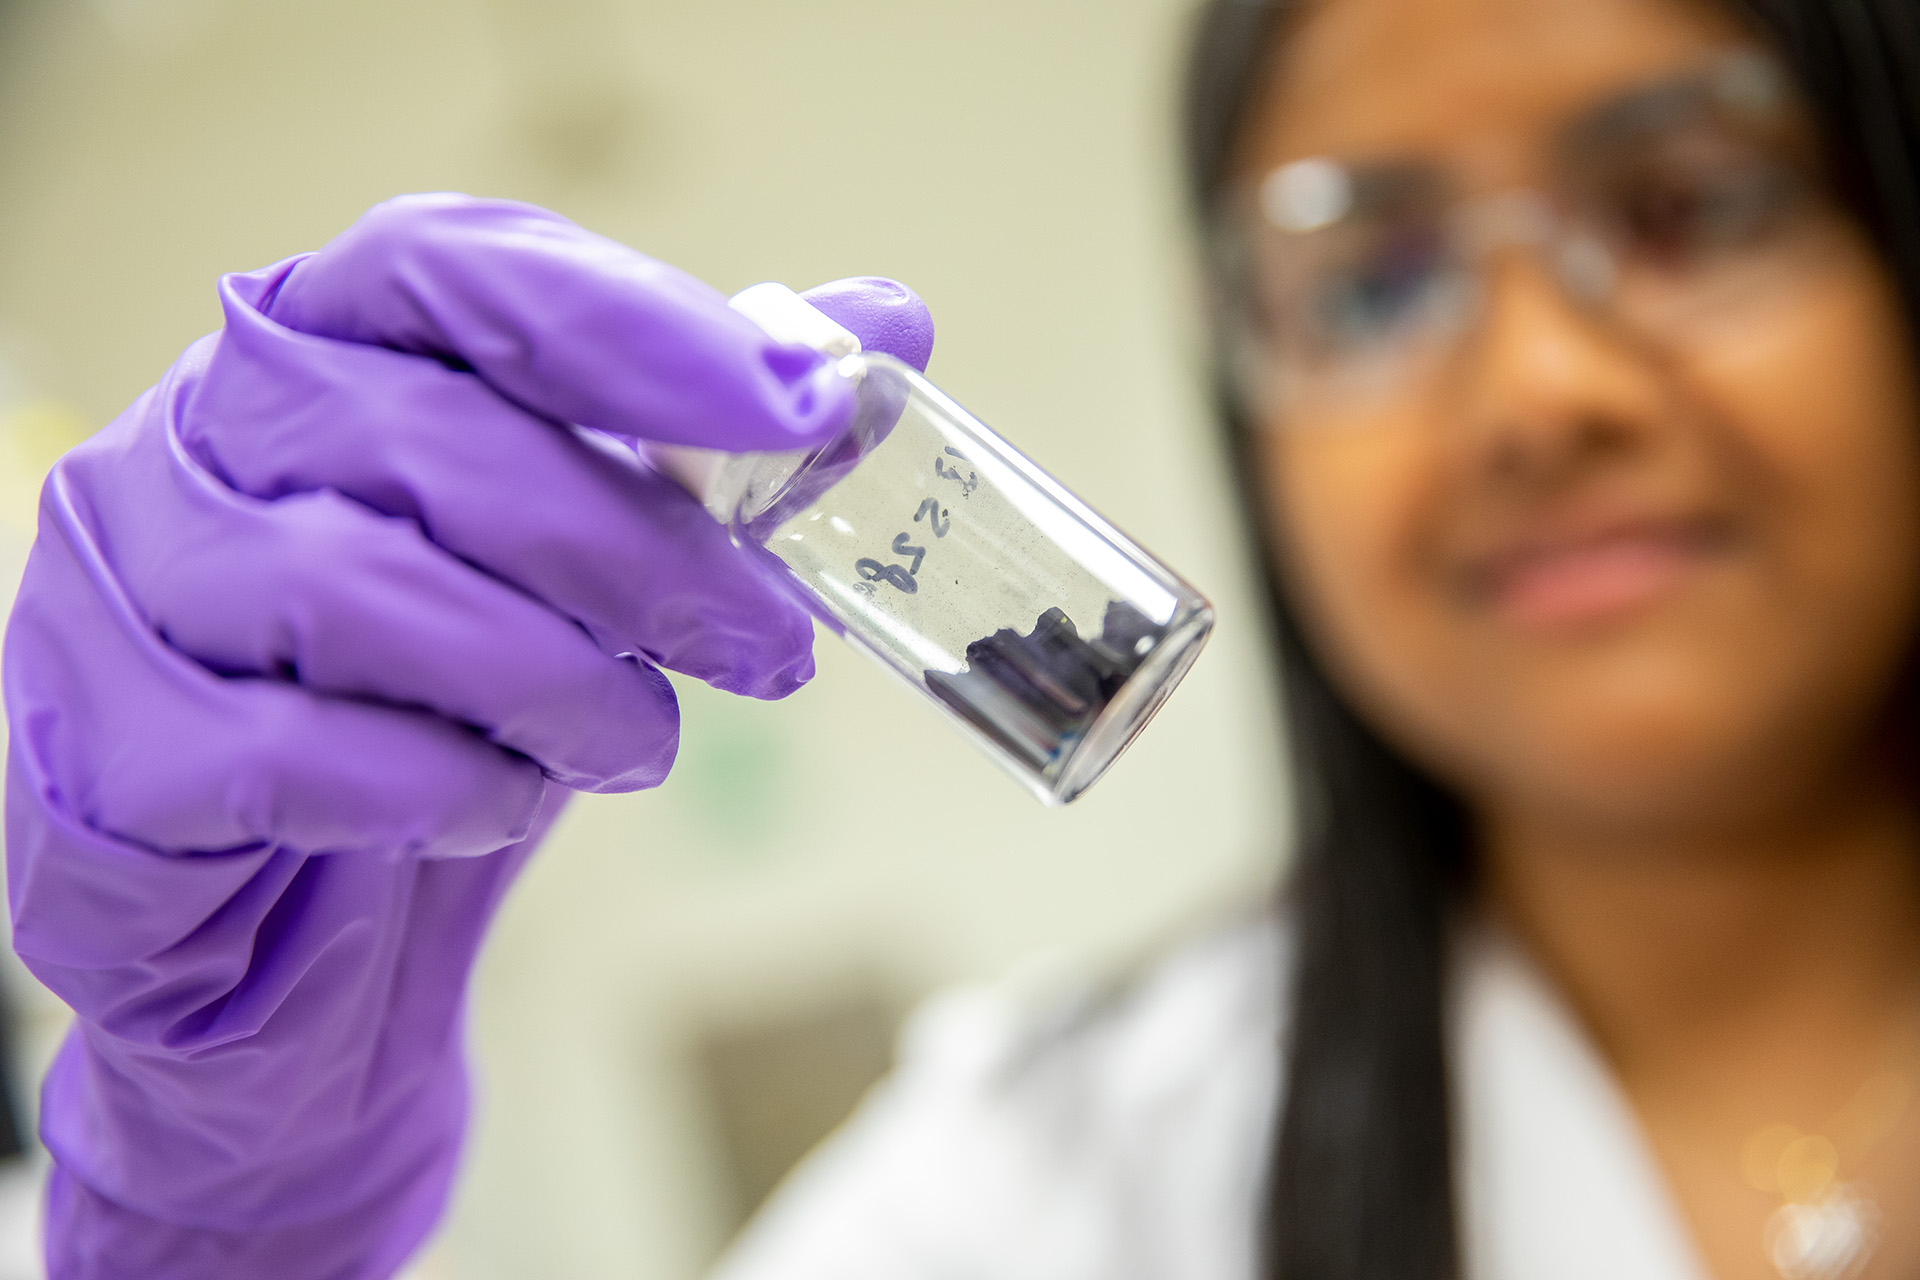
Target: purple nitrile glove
(306, 633)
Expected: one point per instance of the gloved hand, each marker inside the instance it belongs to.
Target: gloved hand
(306, 635)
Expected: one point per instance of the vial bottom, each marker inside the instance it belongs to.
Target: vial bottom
(1039, 696)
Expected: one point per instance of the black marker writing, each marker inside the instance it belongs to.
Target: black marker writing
(968, 482)
(894, 575)
(901, 547)
(939, 521)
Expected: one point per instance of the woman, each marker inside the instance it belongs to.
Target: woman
(1574, 386)
(1573, 375)
(1481, 540)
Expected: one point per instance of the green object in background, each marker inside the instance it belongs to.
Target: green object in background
(734, 772)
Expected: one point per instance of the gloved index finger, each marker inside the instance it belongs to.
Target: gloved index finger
(570, 325)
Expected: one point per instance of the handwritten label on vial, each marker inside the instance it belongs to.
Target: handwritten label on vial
(939, 521)
(968, 483)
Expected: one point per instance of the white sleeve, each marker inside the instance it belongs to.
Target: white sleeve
(1119, 1136)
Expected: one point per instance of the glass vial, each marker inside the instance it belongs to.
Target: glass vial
(932, 544)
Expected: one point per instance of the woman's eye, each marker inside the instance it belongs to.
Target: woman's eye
(1379, 290)
(1674, 219)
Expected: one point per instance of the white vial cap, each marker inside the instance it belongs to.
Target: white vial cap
(788, 317)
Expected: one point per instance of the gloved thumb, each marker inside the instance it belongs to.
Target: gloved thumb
(884, 314)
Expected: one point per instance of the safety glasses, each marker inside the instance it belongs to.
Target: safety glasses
(1663, 212)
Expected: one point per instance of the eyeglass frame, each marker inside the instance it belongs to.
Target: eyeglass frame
(1521, 216)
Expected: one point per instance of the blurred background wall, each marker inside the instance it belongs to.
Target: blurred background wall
(692, 984)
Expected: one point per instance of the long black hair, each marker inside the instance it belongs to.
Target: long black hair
(1360, 1185)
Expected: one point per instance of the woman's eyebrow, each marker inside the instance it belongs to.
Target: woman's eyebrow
(1743, 81)
(1739, 80)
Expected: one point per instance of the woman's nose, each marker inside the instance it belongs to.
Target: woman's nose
(1547, 388)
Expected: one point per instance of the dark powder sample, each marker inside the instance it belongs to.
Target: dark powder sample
(1038, 694)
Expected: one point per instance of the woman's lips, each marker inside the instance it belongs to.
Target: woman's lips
(1574, 581)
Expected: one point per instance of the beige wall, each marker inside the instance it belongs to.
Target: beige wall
(1012, 160)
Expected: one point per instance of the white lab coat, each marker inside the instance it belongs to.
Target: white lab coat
(1124, 1138)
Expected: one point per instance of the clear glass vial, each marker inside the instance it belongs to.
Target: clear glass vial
(933, 545)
